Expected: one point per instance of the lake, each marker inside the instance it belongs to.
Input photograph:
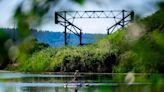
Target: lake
(87, 82)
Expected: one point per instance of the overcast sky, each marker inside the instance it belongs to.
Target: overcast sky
(141, 7)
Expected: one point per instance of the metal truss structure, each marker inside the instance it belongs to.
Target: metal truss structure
(66, 19)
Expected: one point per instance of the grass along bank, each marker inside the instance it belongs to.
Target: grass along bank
(98, 57)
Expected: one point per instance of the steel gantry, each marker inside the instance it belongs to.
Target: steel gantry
(66, 19)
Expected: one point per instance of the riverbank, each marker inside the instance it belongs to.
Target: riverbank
(4, 71)
(115, 53)
(67, 59)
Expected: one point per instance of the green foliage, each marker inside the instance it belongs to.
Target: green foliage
(33, 17)
(129, 62)
(146, 55)
(80, 1)
(3, 35)
(155, 21)
(38, 46)
(26, 50)
(98, 57)
(29, 19)
(4, 59)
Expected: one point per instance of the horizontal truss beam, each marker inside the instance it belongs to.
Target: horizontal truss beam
(63, 18)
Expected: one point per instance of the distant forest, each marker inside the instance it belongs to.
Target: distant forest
(56, 39)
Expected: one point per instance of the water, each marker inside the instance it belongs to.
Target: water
(56, 82)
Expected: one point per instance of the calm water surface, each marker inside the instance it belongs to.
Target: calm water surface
(55, 82)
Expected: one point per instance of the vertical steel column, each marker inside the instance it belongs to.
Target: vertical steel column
(65, 29)
(107, 31)
(132, 16)
(56, 18)
(80, 37)
(123, 18)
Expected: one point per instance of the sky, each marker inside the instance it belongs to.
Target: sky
(141, 7)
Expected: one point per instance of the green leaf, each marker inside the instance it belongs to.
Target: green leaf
(80, 1)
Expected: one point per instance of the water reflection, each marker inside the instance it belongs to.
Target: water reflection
(20, 82)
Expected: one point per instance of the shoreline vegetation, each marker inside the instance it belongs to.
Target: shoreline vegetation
(138, 48)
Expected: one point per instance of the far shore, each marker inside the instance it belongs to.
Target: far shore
(2, 71)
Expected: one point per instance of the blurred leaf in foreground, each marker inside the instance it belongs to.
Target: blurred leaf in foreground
(80, 1)
(4, 60)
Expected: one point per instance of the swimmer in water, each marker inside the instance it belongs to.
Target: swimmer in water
(76, 74)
